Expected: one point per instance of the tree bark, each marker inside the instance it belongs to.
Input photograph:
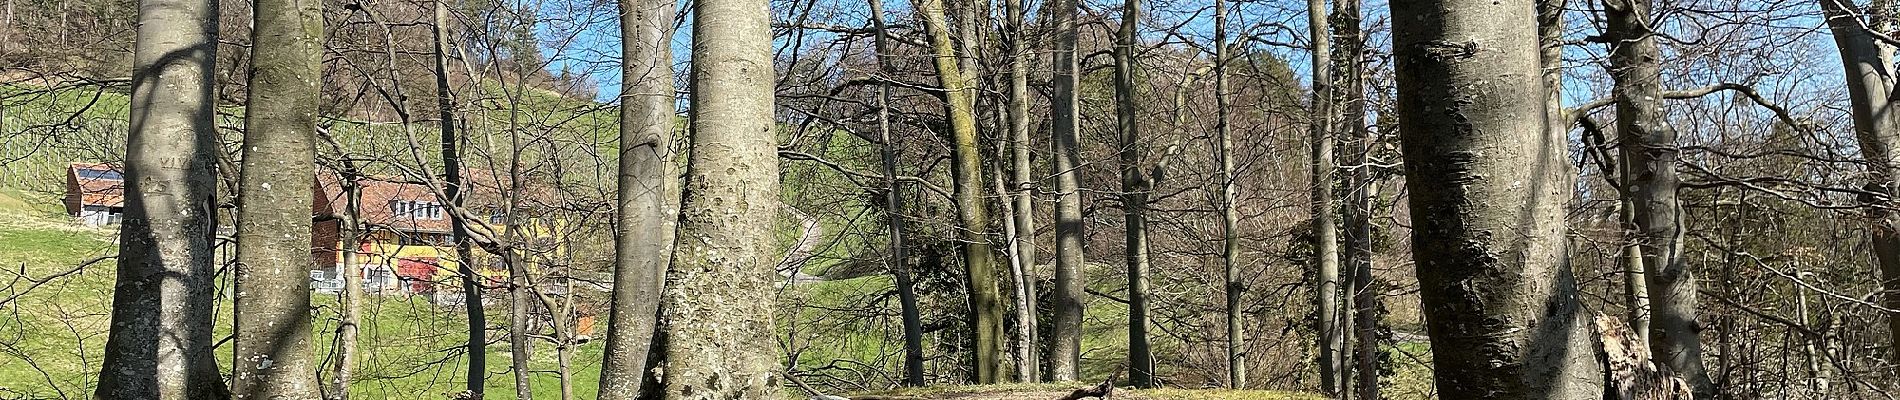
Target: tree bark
(1361, 191)
(1065, 337)
(1649, 162)
(644, 236)
(1635, 285)
(159, 345)
(1868, 64)
(477, 346)
(1489, 186)
(719, 291)
(350, 231)
(1024, 216)
(1134, 199)
(894, 215)
(959, 97)
(1230, 218)
(272, 301)
(1332, 336)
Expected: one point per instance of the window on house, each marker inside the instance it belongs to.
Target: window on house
(416, 209)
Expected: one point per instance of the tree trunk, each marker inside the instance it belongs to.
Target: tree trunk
(1489, 186)
(520, 349)
(1134, 198)
(960, 103)
(894, 215)
(1635, 284)
(1230, 218)
(352, 294)
(644, 228)
(1332, 336)
(1065, 337)
(159, 345)
(1649, 162)
(350, 230)
(477, 346)
(272, 301)
(1024, 215)
(564, 336)
(1019, 349)
(1868, 64)
(719, 287)
(1361, 192)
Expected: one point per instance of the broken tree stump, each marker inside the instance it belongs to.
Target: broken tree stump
(1628, 371)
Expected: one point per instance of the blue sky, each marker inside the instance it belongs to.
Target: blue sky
(594, 50)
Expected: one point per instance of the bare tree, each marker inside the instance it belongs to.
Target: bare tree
(477, 346)
(272, 303)
(160, 343)
(644, 229)
(350, 232)
(1065, 338)
(719, 287)
(1361, 192)
(1023, 246)
(1332, 334)
(1488, 188)
(1867, 58)
(986, 308)
(1649, 153)
(1230, 218)
(1134, 198)
(888, 153)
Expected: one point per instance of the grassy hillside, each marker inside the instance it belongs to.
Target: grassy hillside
(51, 336)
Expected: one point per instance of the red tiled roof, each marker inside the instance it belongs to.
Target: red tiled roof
(94, 190)
(378, 196)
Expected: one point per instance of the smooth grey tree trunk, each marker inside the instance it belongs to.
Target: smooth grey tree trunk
(1065, 337)
(1134, 199)
(1024, 215)
(1230, 217)
(644, 227)
(1649, 152)
(986, 308)
(894, 214)
(1488, 183)
(1868, 64)
(476, 348)
(1331, 329)
(272, 301)
(159, 345)
(719, 292)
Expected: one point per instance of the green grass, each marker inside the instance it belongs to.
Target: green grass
(51, 338)
(51, 335)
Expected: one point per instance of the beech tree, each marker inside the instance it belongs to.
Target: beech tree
(1488, 186)
(986, 305)
(644, 229)
(1650, 152)
(1867, 57)
(1331, 322)
(1065, 337)
(160, 342)
(272, 302)
(719, 287)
